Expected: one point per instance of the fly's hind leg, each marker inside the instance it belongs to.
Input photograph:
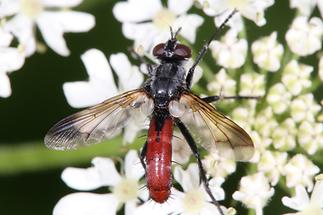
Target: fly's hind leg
(143, 155)
(188, 137)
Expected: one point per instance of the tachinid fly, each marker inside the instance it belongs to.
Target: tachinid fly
(167, 100)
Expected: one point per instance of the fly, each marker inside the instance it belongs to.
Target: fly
(167, 100)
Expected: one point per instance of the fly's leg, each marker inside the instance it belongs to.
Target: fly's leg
(143, 60)
(143, 155)
(188, 137)
(204, 49)
(210, 99)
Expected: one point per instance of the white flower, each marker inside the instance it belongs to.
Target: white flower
(244, 116)
(303, 37)
(267, 52)
(230, 52)
(252, 84)
(102, 86)
(304, 107)
(250, 9)
(296, 76)
(181, 151)
(261, 144)
(279, 98)
(52, 22)
(303, 203)
(222, 83)
(305, 7)
(310, 136)
(125, 187)
(194, 199)
(265, 123)
(321, 68)
(272, 164)
(254, 192)
(218, 166)
(300, 171)
(284, 135)
(148, 22)
(11, 59)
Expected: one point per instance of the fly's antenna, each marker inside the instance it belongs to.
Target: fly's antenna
(172, 34)
(205, 48)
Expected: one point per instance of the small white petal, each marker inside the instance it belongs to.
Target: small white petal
(136, 10)
(144, 34)
(132, 166)
(9, 7)
(22, 27)
(103, 173)
(305, 7)
(320, 7)
(100, 85)
(188, 179)
(52, 32)
(61, 3)
(72, 21)
(321, 68)
(180, 6)
(299, 201)
(11, 59)
(317, 194)
(97, 66)
(5, 88)
(85, 204)
(81, 94)
(189, 24)
(53, 25)
(5, 38)
(129, 76)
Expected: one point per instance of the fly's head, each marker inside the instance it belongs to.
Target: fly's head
(172, 50)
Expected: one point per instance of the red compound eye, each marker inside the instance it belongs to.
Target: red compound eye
(159, 49)
(182, 51)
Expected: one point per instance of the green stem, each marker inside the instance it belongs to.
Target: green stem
(35, 156)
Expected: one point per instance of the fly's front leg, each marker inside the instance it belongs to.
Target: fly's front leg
(143, 155)
(145, 60)
(210, 99)
(188, 137)
(205, 47)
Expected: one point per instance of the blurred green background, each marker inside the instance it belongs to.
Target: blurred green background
(29, 172)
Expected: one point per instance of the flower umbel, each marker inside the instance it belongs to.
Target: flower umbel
(125, 187)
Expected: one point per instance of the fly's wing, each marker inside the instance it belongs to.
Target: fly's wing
(97, 123)
(214, 131)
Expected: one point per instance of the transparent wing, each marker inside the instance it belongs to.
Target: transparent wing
(214, 131)
(97, 123)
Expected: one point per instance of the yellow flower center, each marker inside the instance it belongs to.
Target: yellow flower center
(164, 18)
(31, 8)
(312, 209)
(126, 190)
(238, 3)
(193, 201)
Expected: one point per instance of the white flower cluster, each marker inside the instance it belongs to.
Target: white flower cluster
(284, 120)
(19, 19)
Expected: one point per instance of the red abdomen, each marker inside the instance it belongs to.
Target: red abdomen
(158, 158)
